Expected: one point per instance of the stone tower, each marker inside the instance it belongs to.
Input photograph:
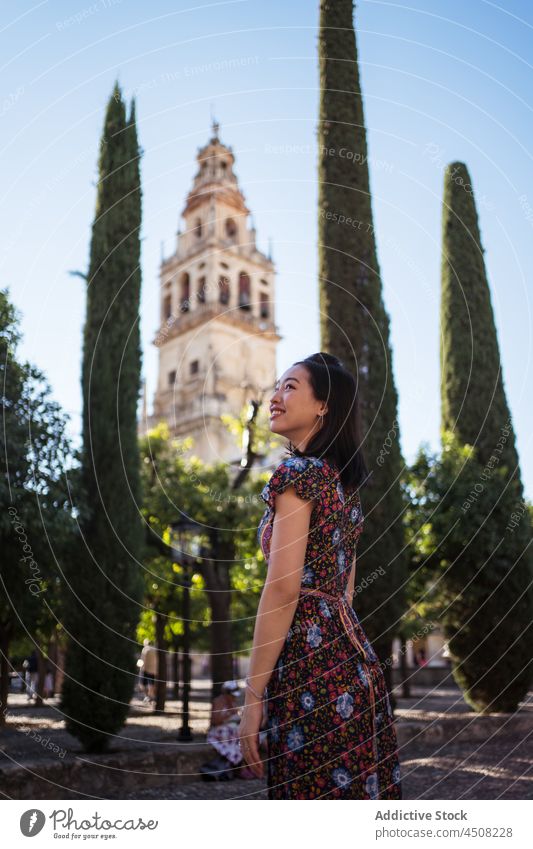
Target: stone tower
(217, 336)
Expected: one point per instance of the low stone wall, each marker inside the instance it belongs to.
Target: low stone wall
(425, 676)
(466, 727)
(103, 776)
(117, 774)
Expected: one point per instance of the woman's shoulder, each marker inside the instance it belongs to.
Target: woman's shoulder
(308, 475)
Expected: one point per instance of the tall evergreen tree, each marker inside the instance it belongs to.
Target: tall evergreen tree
(475, 408)
(354, 322)
(473, 402)
(105, 581)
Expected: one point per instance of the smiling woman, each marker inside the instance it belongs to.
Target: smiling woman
(330, 731)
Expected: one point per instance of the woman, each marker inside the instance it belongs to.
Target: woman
(330, 732)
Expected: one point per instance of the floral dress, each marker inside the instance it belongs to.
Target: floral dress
(330, 731)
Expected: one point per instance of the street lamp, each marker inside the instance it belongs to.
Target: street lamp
(183, 528)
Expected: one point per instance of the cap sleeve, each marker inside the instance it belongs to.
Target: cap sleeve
(304, 473)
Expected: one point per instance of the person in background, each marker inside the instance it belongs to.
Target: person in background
(149, 669)
(222, 734)
(421, 657)
(31, 676)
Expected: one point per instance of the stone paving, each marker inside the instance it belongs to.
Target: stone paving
(488, 770)
(446, 751)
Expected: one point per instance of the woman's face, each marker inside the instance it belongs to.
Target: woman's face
(293, 409)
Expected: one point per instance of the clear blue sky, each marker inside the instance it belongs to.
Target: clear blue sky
(442, 81)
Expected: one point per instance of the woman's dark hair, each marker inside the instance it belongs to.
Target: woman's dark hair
(339, 439)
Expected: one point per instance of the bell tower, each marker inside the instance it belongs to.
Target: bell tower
(217, 336)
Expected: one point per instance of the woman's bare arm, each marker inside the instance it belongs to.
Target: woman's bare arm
(282, 586)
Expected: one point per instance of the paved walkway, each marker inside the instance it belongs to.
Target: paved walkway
(491, 769)
(435, 764)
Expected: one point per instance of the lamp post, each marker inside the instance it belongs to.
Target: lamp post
(184, 528)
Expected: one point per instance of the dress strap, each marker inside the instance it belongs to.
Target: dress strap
(343, 606)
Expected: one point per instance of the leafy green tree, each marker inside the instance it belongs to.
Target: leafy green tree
(229, 571)
(105, 581)
(354, 322)
(36, 520)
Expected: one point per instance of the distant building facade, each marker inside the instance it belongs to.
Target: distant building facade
(217, 336)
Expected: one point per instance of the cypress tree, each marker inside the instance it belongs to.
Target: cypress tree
(473, 401)
(354, 322)
(489, 579)
(105, 580)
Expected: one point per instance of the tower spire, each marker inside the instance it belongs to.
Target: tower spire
(215, 126)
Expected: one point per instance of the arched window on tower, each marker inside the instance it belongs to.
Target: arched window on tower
(223, 284)
(231, 229)
(167, 307)
(244, 291)
(201, 290)
(264, 305)
(185, 293)
(198, 228)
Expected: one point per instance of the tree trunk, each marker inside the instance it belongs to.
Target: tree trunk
(39, 690)
(384, 653)
(218, 588)
(53, 654)
(221, 648)
(406, 684)
(176, 669)
(161, 683)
